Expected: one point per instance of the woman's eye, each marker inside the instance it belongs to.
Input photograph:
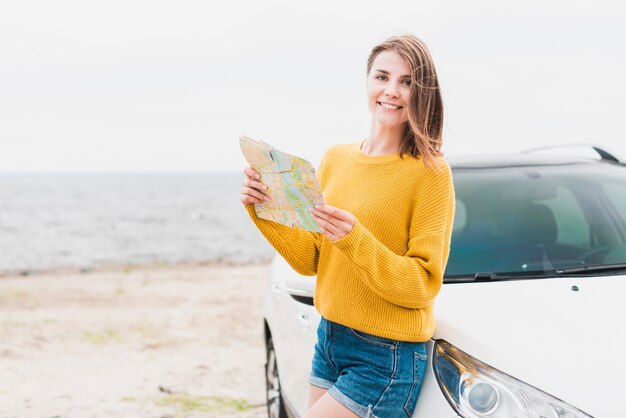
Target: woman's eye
(406, 82)
(381, 77)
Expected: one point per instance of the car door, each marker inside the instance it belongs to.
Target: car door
(294, 330)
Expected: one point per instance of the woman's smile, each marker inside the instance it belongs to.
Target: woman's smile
(389, 106)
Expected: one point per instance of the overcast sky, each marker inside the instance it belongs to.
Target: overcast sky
(139, 85)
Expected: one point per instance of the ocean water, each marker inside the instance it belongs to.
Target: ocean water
(95, 220)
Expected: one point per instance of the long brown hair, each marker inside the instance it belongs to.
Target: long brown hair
(423, 131)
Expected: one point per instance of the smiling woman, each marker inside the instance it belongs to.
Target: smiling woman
(404, 84)
(385, 240)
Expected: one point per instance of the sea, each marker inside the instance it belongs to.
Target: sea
(90, 221)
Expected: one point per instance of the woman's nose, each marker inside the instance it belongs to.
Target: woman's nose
(391, 90)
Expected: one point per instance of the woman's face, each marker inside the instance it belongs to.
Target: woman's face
(388, 88)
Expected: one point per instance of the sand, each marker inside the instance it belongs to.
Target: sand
(160, 341)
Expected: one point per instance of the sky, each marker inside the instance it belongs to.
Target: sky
(169, 86)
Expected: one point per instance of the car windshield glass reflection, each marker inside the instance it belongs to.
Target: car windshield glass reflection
(538, 220)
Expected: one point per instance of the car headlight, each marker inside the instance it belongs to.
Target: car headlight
(477, 390)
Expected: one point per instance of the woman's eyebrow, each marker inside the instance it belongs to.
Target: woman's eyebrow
(387, 73)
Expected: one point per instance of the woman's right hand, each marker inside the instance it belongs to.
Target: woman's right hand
(253, 191)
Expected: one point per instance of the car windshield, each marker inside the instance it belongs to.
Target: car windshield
(538, 220)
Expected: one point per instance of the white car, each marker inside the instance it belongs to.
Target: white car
(529, 320)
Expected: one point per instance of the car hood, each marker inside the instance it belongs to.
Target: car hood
(564, 336)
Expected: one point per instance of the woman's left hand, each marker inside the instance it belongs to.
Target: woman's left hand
(335, 223)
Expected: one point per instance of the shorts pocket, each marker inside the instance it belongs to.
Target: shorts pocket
(419, 368)
(373, 339)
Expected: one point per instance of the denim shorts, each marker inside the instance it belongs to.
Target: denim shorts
(374, 377)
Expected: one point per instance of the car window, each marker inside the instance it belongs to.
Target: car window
(539, 219)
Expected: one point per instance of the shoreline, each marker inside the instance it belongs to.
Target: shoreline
(126, 267)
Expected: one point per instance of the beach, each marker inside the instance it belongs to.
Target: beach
(161, 341)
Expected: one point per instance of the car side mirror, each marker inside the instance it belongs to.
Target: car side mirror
(298, 285)
(301, 288)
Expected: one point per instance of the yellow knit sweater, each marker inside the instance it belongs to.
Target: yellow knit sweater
(383, 276)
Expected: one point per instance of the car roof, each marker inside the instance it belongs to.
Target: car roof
(478, 161)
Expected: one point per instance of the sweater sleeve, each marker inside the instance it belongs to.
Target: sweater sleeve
(414, 279)
(300, 248)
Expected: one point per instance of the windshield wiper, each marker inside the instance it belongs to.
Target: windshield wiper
(494, 277)
(588, 269)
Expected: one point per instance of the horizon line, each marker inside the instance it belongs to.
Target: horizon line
(120, 172)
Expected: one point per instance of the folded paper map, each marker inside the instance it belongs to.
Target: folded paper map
(292, 186)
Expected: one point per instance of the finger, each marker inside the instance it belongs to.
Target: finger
(325, 231)
(336, 222)
(341, 218)
(247, 200)
(328, 234)
(249, 191)
(251, 173)
(333, 228)
(327, 226)
(254, 184)
(335, 212)
(331, 210)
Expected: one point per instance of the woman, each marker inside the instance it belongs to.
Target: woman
(384, 244)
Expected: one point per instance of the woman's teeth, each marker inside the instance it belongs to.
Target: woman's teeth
(389, 106)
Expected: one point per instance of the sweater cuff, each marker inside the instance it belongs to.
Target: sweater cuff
(351, 240)
(251, 211)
